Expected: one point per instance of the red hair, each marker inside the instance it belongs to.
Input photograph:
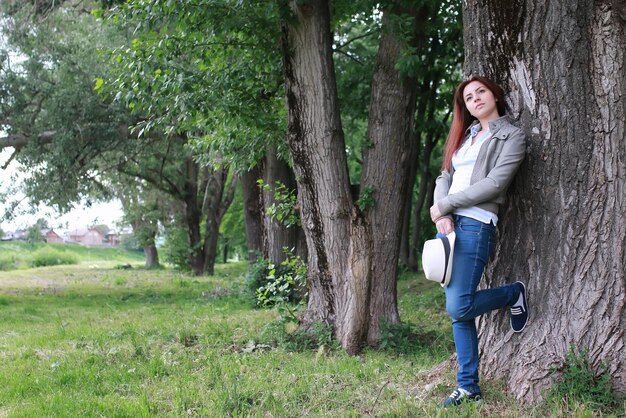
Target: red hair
(462, 119)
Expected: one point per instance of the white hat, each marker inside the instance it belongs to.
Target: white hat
(437, 258)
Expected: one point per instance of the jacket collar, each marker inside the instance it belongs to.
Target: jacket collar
(494, 126)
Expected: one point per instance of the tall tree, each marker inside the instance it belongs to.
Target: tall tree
(563, 232)
(207, 71)
(143, 209)
(61, 129)
(253, 212)
(352, 245)
(279, 235)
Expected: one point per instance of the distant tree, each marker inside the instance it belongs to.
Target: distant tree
(33, 234)
(102, 228)
(72, 141)
(42, 223)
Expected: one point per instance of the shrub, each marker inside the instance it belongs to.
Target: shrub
(317, 335)
(281, 286)
(50, 257)
(7, 262)
(578, 382)
(397, 338)
(176, 249)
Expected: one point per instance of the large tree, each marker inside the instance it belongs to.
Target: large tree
(352, 244)
(563, 231)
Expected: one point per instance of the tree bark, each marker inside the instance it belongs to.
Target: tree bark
(192, 216)
(563, 230)
(336, 236)
(385, 170)
(405, 235)
(352, 251)
(152, 256)
(426, 187)
(216, 204)
(253, 212)
(277, 236)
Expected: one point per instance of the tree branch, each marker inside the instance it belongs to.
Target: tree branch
(349, 41)
(5, 165)
(19, 140)
(230, 196)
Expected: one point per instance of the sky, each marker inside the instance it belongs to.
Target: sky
(108, 213)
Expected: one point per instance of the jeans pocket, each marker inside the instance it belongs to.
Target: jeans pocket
(470, 227)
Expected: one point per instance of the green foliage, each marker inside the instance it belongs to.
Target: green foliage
(130, 242)
(8, 262)
(33, 235)
(233, 227)
(176, 249)
(317, 336)
(50, 257)
(282, 286)
(19, 255)
(48, 65)
(283, 210)
(366, 198)
(577, 381)
(208, 67)
(399, 338)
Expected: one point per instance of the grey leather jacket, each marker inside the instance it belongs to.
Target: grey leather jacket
(497, 162)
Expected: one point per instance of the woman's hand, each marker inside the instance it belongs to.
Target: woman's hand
(435, 213)
(445, 225)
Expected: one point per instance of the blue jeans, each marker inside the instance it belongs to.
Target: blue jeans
(474, 243)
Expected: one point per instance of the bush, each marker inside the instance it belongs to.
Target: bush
(398, 338)
(578, 382)
(50, 257)
(317, 335)
(7, 262)
(176, 249)
(282, 286)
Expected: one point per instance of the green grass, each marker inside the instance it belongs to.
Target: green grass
(83, 341)
(21, 255)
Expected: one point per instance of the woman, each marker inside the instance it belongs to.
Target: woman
(481, 156)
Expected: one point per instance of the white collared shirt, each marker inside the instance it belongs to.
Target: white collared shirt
(463, 162)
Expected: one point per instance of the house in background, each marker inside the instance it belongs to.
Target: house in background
(113, 239)
(20, 234)
(85, 236)
(50, 236)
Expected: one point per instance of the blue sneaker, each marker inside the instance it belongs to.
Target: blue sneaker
(519, 311)
(460, 396)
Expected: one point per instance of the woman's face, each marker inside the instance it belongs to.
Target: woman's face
(480, 101)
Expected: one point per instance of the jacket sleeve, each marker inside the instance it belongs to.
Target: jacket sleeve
(442, 186)
(497, 180)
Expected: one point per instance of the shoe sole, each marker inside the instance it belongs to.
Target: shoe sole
(527, 311)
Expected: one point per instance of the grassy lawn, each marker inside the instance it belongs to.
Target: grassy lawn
(91, 340)
(16, 255)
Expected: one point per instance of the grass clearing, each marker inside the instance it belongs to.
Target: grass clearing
(84, 341)
(16, 255)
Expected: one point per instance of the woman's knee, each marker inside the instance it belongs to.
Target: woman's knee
(459, 310)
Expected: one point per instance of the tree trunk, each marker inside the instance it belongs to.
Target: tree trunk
(405, 235)
(426, 187)
(337, 238)
(192, 217)
(152, 256)
(277, 236)
(563, 230)
(216, 203)
(253, 212)
(385, 171)
(352, 251)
